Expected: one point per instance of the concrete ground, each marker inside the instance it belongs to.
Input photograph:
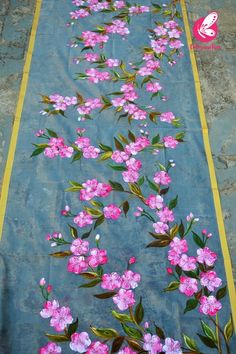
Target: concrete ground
(217, 75)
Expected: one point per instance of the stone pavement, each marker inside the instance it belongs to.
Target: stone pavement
(217, 74)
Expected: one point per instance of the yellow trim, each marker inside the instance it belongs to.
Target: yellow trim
(214, 186)
(17, 119)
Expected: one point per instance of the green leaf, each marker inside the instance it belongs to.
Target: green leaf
(117, 343)
(73, 231)
(132, 332)
(105, 147)
(52, 133)
(73, 327)
(86, 234)
(172, 286)
(173, 203)
(89, 275)
(126, 207)
(156, 139)
(152, 185)
(105, 156)
(141, 181)
(208, 331)
(221, 293)
(191, 274)
(38, 151)
(118, 144)
(135, 189)
(91, 284)
(134, 345)
(160, 332)
(96, 203)
(106, 333)
(116, 186)
(190, 343)
(77, 156)
(162, 167)
(61, 254)
(105, 295)
(198, 240)
(207, 341)
(165, 241)
(99, 221)
(121, 316)
(139, 312)
(131, 136)
(118, 168)
(123, 139)
(181, 229)
(228, 330)
(178, 270)
(190, 305)
(58, 338)
(93, 212)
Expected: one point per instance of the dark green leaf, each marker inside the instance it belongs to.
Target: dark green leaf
(58, 338)
(73, 327)
(117, 343)
(91, 284)
(126, 207)
(116, 186)
(105, 295)
(172, 286)
(228, 330)
(156, 139)
(198, 240)
(106, 333)
(181, 229)
(173, 203)
(165, 241)
(105, 147)
(37, 151)
(77, 156)
(221, 293)
(207, 341)
(99, 221)
(87, 234)
(89, 275)
(132, 332)
(208, 331)
(131, 136)
(61, 254)
(191, 274)
(118, 144)
(190, 305)
(160, 332)
(118, 168)
(190, 343)
(141, 181)
(178, 270)
(121, 316)
(52, 133)
(73, 231)
(139, 312)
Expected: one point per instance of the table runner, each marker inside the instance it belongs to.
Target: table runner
(37, 190)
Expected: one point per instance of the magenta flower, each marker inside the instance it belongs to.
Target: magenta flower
(103, 190)
(97, 348)
(162, 178)
(172, 346)
(49, 308)
(111, 281)
(119, 156)
(61, 318)
(188, 286)
(160, 227)
(170, 142)
(50, 348)
(178, 245)
(79, 247)
(167, 117)
(173, 257)
(83, 219)
(91, 152)
(124, 299)
(166, 215)
(91, 57)
(97, 257)
(130, 176)
(126, 350)
(77, 265)
(119, 4)
(130, 280)
(112, 62)
(209, 305)
(152, 343)
(82, 142)
(153, 87)
(205, 255)
(210, 280)
(154, 201)
(112, 211)
(187, 263)
(132, 260)
(80, 342)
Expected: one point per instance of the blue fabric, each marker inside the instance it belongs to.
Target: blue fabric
(37, 193)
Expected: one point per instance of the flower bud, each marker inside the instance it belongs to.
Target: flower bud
(169, 270)
(132, 260)
(97, 237)
(42, 282)
(49, 288)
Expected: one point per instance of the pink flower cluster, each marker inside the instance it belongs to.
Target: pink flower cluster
(89, 105)
(62, 102)
(81, 343)
(60, 317)
(150, 66)
(94, 75)
(83, 257)
(125, 283)
(57, 147)
(152, 344)
(167, 117)
(89, 151)
(91, 39)
(129, 94)
(118, 27)
(132, 173)
(162, 178)
(136, 10)
(170, 142)
(50, 348)
(83, 219)
(93, 188)
(112, 211)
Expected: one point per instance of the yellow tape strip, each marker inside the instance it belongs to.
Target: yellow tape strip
(17, 119)
(214, 185)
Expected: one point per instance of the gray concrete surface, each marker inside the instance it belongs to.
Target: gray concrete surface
(217, 75)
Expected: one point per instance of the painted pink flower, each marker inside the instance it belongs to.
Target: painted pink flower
(205, 255)
(171, 24)
(130, 280)
(154, 201)
(132, 260)
(112, 211)
(80, 342)
(118, 102)
(170, 142)
(187, 263)
(91, 152)
(91, 57)
(111, 281)
(83, 219)
(103, 190)
(112, 62)
(130, 176)
(166, 215)
(49, 308)
(160, 227)
(152, 343)
(174, 33)
(176, 44)
(178, 245)
(82, 142)
(126, 350)
(167, 117)
(119, 4)
(61, 318)
(172, 346)
(124, 299)
(210, 280)
(162, 178)
(97, 257)
(209, 305)
(188, 286)
(50, 348)
(97, 348)
(153, 87)
(119, 156)
(77, 265)
(79, 247)
(173, 257)
(160, 30)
